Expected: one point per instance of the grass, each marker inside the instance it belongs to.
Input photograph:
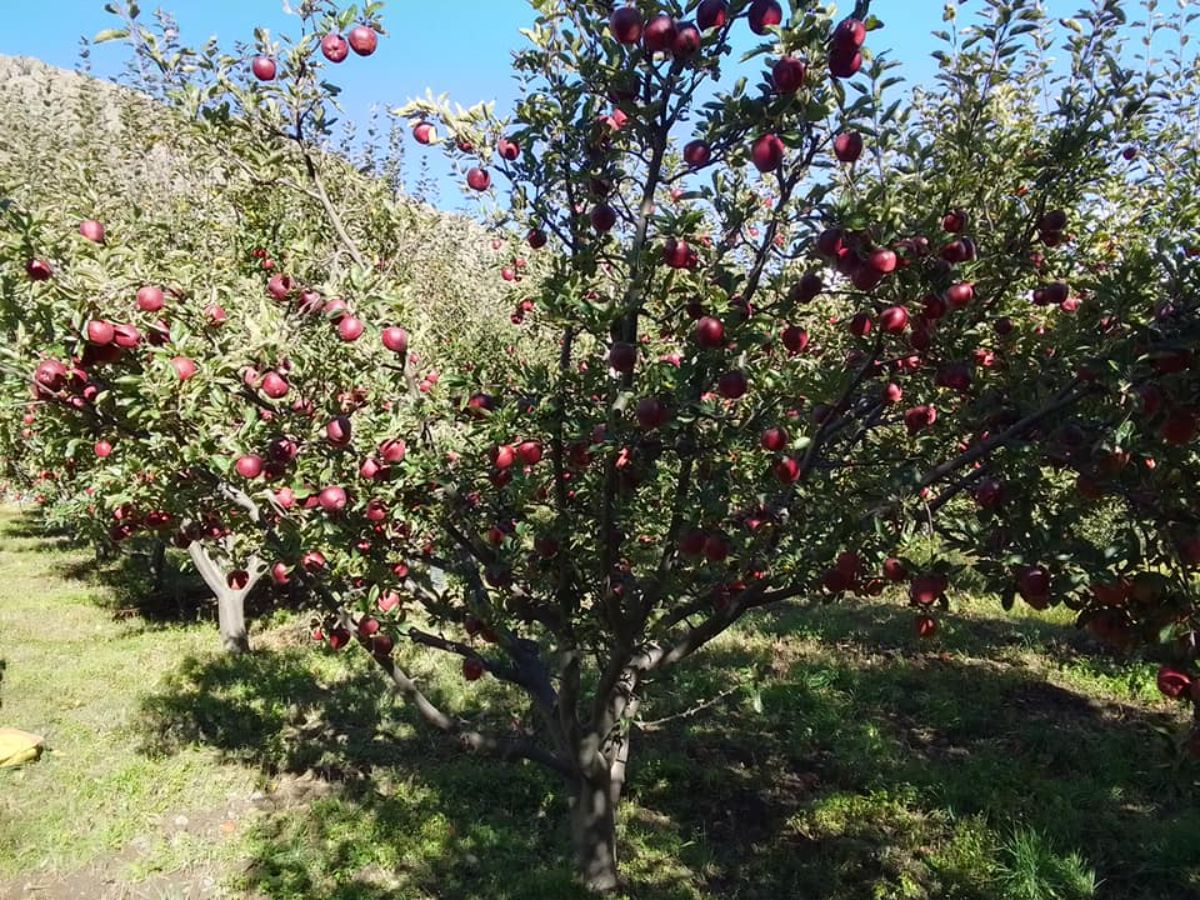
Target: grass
(1006, 759)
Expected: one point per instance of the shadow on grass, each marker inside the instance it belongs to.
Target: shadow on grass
(868, 768)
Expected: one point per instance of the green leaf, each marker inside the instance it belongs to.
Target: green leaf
(110, 34)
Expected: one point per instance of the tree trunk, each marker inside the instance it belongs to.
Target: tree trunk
(231, 620)
(231, 606)
(593, 831)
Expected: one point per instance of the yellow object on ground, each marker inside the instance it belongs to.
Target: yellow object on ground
(19, 747)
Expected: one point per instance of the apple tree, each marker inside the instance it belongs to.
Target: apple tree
(782, 335)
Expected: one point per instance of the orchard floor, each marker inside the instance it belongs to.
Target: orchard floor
(1004, 759)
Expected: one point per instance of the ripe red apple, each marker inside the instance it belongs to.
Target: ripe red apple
(919, 418)
(478, 179)
(786, 470)
(764, 14)
(775, 439)
(503, 456)
(860, 325)
(332, 499)
(893, 393)
(363, 40)
(285, 497)
(955, 222)
(626, 24)
(732, 385)
(709, 333)
(959, 295)
(882, 261)
(844, 62)
(38, 270)
(829, 242)
(338, 638)
(350, 329)
(848, 146)
(894, 319)
(249, 466)
(103, 449)
(622, 356)
(100, 333)
(382, 645)
(676, 253)
(795, 339)
(530, 452)
(1033, 584)
(788, 74)
(149, 299)
(894, 570)
(926, 590)
(424, 133)
(335, 48)
(603, 217)
(274, 385)
(697, 153)
(338, 431)
(395, 339)
(712, 14)
(850, 34)
(651, 413)
(537, 238)
(1173, 682)
(925, 626)
(472, 666)
(716, 547)
(263, 68)
(767, 153)
(393, 451)
(1053, 221)
(508, 149)
(658, 35)
(687, 40)
(184, 367)
(92, 230)
(280, 286)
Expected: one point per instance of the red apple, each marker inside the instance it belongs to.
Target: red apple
(424, 133)
(149, 299)
(959, 295)
(764, 14)
(709, 333)
(925, 626)
(626, 24)
(622, 356)
(335, 48)
(767, 153)
(263, 68)
(274, 385)
(350, 329)
(732, 385)
(848, 146)
(893, 570)
(697, 153)
(712, 14)
(395, 339)
(503, 456)
(795, 339)
(38, 270)
(894, 319)
(99, 333)
(332, 499)
(788, 74)
(478, 179)
(807, 289)
(338, 431)
(651, 413)
(363, 40)
(850, 34)
(687, 40)
(472, 666)
(1033, 584)
(393, 451)
(775, 439)
(844, 62)
(249, 466)
(184, 367)
(786, 470)
(1173, 682)
(92, 230)
(530, 452)
(508, 149)
(103, 449)
(919, 417)
(603, 217)
(658, 35)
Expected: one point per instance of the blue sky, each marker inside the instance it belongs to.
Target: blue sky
(461, 48)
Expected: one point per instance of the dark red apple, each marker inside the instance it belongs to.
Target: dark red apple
(848, 146)
(424, 133)
(472, 666)
(350, 329)
(263, 68)
(775, 439)
(626, 24)
(184, 367)
(687, 40)
(767, 153)
(622, 357)
(709, 333)
(651, 413)
(38, 270)
(764, 14)
(603, 217)
(335, 48)
(339, 431)
(894, 319)
(659, 34)
(478, 179)
(363, 40)
(332, 499)
(712, 14)
(697, 153)
(788, 74)
(795, 339)
(732, 385)
(249, 466)
(100, 333)
(508, 149)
